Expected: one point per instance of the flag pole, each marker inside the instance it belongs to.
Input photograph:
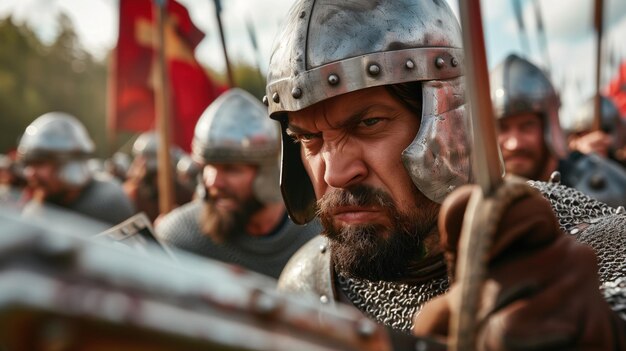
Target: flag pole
(163, 111)
(229, 71)
(598, 24)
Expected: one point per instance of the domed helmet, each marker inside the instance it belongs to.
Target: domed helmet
(188, 171)
(147, 145)
(609, 117)
(328, 48)
(235, 129)
(58, 137)
(518, 86)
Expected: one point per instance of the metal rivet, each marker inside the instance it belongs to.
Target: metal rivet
(373, 69)
(365, 328)
(574, 231)
(454, 62)
(409, 64)
(440, 62)
(324, 299)
(302, 14)
(555, 177)
(296, 93)
(323, 248)
(265, 100)
(275, 98)
(333, 79)
(620, 210)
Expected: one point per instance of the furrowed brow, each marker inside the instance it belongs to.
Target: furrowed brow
(296, 130)
(348, 122)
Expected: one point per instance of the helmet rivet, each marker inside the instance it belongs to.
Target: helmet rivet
(265, 100)
(296, 93)
(302, 14)
(373, 69)
(409, 64)
(333, 79)
(440, 62)
(275, 98)
(454, 62)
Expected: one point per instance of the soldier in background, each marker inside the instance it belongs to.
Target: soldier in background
(118, 165)
(608, 140)
(141, 183)
(188, 173)
(54, 151)
(10, 184)
(370, 96)
(241, 219)
(532, 141)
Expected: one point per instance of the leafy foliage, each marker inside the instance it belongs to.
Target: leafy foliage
(36, 78)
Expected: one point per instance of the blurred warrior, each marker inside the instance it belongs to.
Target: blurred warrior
(532, 141)
(10, 183)
(608, 141)
(141, 183)
(241, 218)
(54, 150)
(370, 96)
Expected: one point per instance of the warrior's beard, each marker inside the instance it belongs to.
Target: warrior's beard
(221, 224)
(373, 251)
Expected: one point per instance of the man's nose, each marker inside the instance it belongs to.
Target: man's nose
(511, 141)
(343, 168)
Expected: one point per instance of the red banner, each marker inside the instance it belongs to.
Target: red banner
(616, 91)
(132, 83)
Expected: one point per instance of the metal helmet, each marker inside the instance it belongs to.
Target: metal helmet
(328, 48)
(147, 145)
(188, 171)
(235, 129)
(518, 86)
(583, 119)
(59, 137)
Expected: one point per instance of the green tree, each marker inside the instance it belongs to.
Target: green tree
(36, 78)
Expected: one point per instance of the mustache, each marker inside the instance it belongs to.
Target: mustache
(518, 153)
(358, 195)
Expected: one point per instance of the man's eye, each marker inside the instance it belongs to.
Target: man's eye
(306, 137)
(370, 121)
(303, 138)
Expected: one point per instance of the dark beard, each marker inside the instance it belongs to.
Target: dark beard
(221, 225)
(371, 251)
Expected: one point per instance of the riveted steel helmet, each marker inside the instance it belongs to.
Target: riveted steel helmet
(147, 145)
(518, 86)
(583, 118)
(58, 137)
(328, 48)
(235, 129)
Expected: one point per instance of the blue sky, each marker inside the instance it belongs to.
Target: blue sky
(568, 26)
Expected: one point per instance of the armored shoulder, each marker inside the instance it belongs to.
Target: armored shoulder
(180, 225)
(571, 206)
(308, 270)
(599, 226)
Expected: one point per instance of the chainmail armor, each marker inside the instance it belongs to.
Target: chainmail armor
(590, 221)
(570, 205)
(266, 254)
(104, 199)
(392, 304)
